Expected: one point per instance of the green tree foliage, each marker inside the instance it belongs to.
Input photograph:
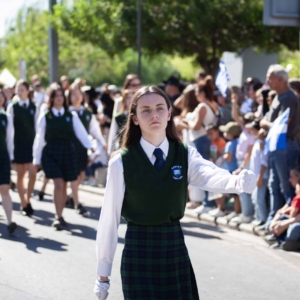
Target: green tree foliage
(27, 39)
(200, 28)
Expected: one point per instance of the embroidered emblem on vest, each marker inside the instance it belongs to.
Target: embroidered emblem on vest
(177, 173)
(31, 112)
(87, 118)
(68, 119)
(3, 123)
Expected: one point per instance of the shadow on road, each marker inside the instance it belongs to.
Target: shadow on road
(22, 235)
(201, 235)
(201, 226)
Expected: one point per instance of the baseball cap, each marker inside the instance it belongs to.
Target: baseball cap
(232, 127)
(172, 80)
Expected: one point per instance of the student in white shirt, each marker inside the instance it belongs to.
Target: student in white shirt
(54, 148)
(6, 155)
(147, 184)
(24, 114)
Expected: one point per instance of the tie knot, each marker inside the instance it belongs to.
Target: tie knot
(24, 105)
(59, 114)
(158, 153)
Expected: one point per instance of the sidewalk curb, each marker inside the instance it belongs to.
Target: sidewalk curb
(221, 222)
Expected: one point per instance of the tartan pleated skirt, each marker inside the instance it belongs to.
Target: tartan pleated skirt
(59, 160)
(82, 156)
(156, 265)
(23, 152)
(4, 168)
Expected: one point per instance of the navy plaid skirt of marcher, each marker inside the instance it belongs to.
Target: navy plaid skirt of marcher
(156, 265)
(82, 156)
(23, 152)
(59, 160)
(4, 168)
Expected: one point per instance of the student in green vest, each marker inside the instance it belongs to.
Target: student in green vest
(24, 114)
(147, 185)
(54, 147)
(114, 138)
(6, 155)
(92, 127)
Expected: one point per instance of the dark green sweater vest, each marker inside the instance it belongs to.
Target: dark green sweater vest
(24, 122)
(121, 120)
(3, 127)
(59, 128)
(154, 197)
(86, 118)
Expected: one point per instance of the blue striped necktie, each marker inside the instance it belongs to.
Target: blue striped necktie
(159, 162)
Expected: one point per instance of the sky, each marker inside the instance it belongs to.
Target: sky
(9, 8)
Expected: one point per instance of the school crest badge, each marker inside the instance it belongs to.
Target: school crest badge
(68, 119)
(87, 118)
(32, 112)
(177, 172)
(3, 123)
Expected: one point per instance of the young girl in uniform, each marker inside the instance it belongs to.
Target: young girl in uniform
(24, 114)
(88, 120)
(147, 185)
(118, 122)
(57, 128)
(6, 155)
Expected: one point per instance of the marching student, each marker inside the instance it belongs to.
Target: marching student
(54, 147)
(6, 155)
(91, 125)
(24, 114)
(114, 139)
(147, 185)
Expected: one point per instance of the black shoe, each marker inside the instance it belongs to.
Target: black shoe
(56, 224)
(291, 245)
(13, 186)
(82, 211)
(12, 227)
(270, 239)
(62, 222)
(25, 211)
(70, 203)
(30, 209)
(41, 196)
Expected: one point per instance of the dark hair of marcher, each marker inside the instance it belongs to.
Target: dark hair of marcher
(73, 88)
(128, 80)
(27, 86)
(207, 87)
(3, 95)
(52, 94)
(125, 93)
(132, 133)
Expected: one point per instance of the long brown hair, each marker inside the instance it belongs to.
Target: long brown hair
(207, 87)
(128, 80)
(125, 93)
(190, 101)
(54, 88)
(131, 132)
(4, 97)
(71, 90)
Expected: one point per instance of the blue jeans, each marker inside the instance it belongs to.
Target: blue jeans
(259, 201)
(202, 145)
(246, 204)
(90, 171)
(280, 163)
(292, 234)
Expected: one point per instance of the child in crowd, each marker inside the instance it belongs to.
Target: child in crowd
(231, 131)
(217, 144)
(259, 164)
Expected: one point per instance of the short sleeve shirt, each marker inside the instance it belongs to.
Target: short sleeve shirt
(296, 202)
(231, 148)
(280, 104)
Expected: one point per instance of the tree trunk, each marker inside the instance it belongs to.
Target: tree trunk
(210, 66)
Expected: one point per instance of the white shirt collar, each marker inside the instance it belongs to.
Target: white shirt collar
(2, 110)
(56, 111)
(72, 108)
(149, 148)
(21, 102)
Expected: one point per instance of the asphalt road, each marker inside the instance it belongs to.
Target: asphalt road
(40, 263)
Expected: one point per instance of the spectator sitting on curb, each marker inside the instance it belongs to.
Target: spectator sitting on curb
(285, 227)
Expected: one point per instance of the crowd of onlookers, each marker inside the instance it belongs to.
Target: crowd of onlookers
(229, 129)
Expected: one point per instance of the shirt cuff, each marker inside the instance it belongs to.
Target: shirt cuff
(36, 161)
(233, 184)
(104, 269)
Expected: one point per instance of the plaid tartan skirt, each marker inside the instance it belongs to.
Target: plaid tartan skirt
(59, 161)
(4, 168)
(23, 152)
(156, 265)
(82, 156)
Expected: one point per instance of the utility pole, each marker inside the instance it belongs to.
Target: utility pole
(53, 49)
(139, 37)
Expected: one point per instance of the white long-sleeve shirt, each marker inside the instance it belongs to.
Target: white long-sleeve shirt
(10, 114)
(201, 173)
(39, 141)
(9, 132)
(94, 128)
